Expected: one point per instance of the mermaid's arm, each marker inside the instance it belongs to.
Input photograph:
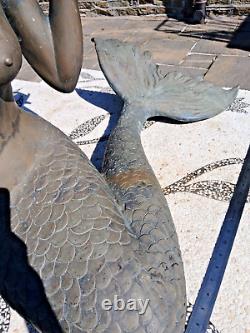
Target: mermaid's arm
(53, 44)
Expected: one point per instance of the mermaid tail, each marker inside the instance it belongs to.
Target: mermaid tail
(135, 78)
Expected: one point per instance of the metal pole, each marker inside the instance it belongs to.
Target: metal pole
(199, 14)
(207, 295)
(195, 11)
(4, 212)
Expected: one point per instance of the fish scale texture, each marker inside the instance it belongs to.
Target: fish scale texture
(136, 188)
(79, 245)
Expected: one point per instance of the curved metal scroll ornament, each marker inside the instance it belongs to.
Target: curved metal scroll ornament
(77, 238)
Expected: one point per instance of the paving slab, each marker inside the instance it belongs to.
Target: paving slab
(232, 19)
(167, 51)
(139, 24)
(111, 24)
(214, 25)
(27, 73)
(217, 47)
(206, 33)
(198, 60)
(245, 24)
(181, 149)
(221, 30)
(91, 62)
(88, 48)
(236, 50)
(230, 71)
(174, 43)
(102, 23)
(127, 36)
(168, 25)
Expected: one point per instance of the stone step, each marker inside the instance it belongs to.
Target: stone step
(154, 7)
(129, 10)
(123, 7)
(232, 9)
(228, 2)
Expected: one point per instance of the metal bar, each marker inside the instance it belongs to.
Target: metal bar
(195, 11)
(199, 13)
(207, 295)
(4, 233)
(4, 212)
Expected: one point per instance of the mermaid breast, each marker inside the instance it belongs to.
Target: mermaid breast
(11, 55)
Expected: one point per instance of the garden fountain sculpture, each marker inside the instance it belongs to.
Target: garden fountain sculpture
(89, 236)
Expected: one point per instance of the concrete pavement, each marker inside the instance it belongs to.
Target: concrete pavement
(218, 50)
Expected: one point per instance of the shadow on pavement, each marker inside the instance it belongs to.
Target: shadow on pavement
(113, 105)
(22, 100)
(216, 30)
(106, 101)
(219, 35)
(241, 39)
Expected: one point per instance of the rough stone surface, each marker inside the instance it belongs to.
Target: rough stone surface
(126, 7)
(230, 70)
(229, 9)
(171, 7)
(216, 47)
(198, 60)
(167, 50)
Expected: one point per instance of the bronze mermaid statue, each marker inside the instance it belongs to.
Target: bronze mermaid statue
(90, 237)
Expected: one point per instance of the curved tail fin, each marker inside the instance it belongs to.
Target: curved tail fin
(133, 76)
